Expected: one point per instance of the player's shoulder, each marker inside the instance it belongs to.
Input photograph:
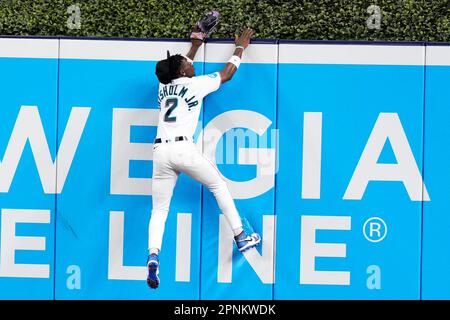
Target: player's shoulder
(206, 77)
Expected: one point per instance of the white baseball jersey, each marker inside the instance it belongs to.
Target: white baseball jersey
(180, 103)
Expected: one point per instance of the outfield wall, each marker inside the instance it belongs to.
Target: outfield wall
(335, 152)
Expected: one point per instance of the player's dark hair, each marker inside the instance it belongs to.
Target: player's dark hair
(169, 69)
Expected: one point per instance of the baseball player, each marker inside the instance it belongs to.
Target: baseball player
(180, 97)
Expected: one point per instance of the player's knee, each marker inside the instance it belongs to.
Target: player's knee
(218, 186)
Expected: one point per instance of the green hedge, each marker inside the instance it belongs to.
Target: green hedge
(409, 20)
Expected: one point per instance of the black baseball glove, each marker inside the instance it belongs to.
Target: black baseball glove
(205, 26)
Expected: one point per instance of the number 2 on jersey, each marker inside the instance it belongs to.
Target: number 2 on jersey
(171, 103)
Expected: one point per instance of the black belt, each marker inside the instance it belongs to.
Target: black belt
(179, 138)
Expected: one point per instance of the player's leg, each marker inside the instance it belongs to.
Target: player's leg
(163, 182)
(162, 190)
(200, 168)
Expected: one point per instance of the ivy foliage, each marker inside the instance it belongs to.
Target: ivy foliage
(402, 20)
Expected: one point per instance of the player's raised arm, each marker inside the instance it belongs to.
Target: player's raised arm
(232, 65)
(195, 45)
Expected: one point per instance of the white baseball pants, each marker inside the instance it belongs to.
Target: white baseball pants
(169, 160)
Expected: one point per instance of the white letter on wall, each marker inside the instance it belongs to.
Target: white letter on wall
(312, 155)
(183, 253)
(388, 126)
(310, 249)
(263, 265)
(29, 127)
(263, 158)
(10, 243)
(116, 269)
(122, 150)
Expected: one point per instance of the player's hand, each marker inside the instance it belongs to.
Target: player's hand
(244, 39)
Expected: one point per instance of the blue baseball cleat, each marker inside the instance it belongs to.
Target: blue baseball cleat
(153, 270)
(245, 242)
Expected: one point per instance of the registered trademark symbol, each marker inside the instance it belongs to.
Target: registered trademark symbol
(375, 229)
